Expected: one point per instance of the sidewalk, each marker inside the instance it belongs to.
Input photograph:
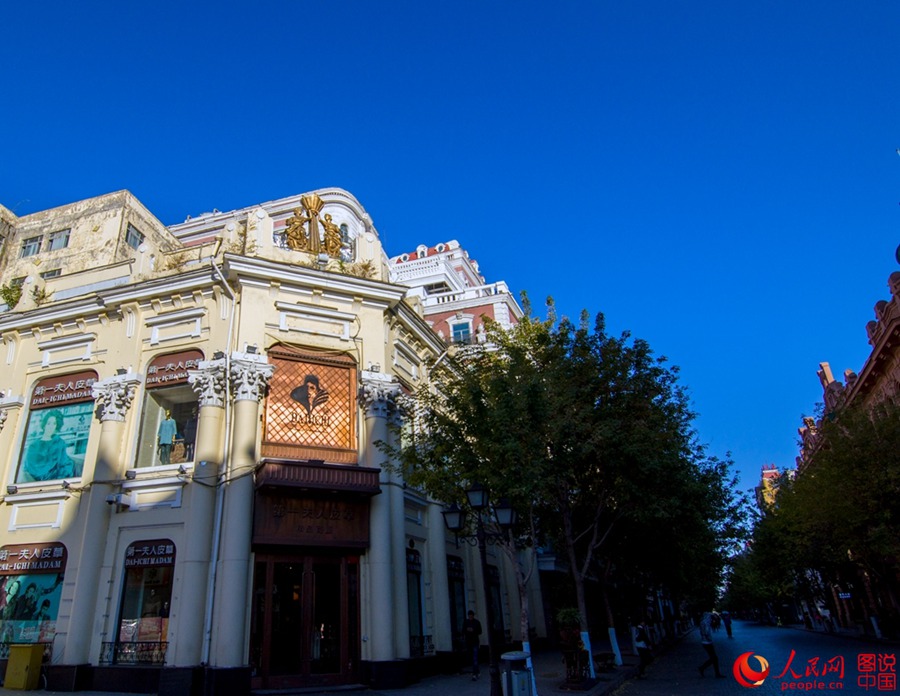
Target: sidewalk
(549, 672)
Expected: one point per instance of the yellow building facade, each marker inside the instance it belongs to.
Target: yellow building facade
(189, 426)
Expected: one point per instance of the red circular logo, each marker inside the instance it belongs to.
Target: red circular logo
(747, 675)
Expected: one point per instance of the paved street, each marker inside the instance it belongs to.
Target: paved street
(676, 672)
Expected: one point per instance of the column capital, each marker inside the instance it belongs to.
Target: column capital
(208, 381)
(378, 393)
(250, 374)
(7, 403)
(115, 395)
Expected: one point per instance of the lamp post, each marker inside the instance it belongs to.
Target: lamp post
(505, 516)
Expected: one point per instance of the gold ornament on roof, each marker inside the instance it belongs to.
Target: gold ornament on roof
(333, 241)
(309, 239)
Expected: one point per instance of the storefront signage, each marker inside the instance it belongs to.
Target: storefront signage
(149, 554)
(171, 369)
(32, 558)
(67, 389)
(311, 408)
(31, 578)
(310, 521)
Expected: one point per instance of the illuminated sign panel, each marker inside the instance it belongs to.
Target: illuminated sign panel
(310, 410)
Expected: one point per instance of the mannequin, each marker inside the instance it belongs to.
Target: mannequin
(166, 438)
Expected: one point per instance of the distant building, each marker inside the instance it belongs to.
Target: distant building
(194, 498)
(768, 486)
(877, 381)
(453, 294)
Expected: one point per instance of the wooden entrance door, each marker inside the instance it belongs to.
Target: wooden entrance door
(305, 620)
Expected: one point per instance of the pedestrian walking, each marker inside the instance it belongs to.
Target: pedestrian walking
(707, 642)
(643, 645)
(472, 632)
(726, 620)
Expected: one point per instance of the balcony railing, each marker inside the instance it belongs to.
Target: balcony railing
(134, 653)
(48, 651)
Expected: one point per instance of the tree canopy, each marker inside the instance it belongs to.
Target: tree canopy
(590, 437)
(840, 515)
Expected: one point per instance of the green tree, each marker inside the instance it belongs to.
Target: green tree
(589, 436)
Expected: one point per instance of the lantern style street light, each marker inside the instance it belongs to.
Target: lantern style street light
(505, 517)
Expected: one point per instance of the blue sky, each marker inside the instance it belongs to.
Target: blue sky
(719, 178)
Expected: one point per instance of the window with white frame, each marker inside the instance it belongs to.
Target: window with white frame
(462, 332)
(58, 240)
(30, 247)
(52, 273)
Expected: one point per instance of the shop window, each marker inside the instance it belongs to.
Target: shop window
(456, 580)
(145, 603)
(496, 600)
(59, 423)
(414, 598)
(169, 417)
(31, 578)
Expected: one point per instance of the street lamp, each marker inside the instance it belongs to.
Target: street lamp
(505, 516)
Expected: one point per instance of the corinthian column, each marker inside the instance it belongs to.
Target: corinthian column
(7, 404)
(115, 396)
(249, 374)
(209, 382)
(386, 559)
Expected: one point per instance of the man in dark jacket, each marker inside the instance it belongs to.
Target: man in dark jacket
(472, 632)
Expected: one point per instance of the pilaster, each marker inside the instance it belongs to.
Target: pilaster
(209, 383)
(377, 396)
(115, 396)
(248, 374)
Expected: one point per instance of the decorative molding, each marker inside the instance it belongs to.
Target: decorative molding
(378, 393)
(45, 507)
(303, 318)
(208, 381)
(250, 374)
(115, 395)
(7, 403)
(190, 321)
(76, 347)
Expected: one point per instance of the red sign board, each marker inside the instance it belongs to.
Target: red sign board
(152, 553)
(19, 559)
(62, 390)
(167, 370)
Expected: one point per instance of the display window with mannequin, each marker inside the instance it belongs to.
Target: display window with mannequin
(170, 411)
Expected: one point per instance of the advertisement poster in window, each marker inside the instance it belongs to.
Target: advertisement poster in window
(59, 423)
(31, 578)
